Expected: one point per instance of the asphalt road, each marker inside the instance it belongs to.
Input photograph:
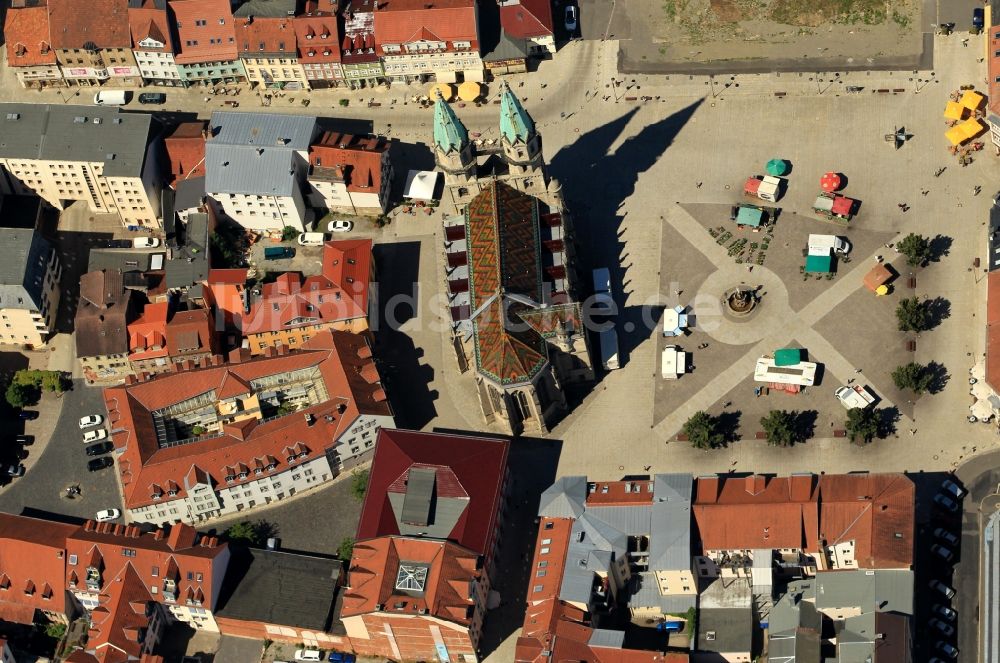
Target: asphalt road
(63, 463)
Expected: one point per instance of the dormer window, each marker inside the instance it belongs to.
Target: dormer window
(258, 470)
(303, 454)
(171, 493)
(311, 54)
(20, 50)
(230, 478)
(290, 459)
(270, 467)
(243, 475)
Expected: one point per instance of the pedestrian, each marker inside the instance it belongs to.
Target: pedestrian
(857, 370)
(925, 192)
(850, 381)
(699, 184)
(646, 468)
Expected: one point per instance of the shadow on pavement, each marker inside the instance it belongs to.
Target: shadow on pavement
(597, 182)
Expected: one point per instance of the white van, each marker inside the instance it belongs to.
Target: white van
(604, 303)
(308, 655)
(821, 245)
(609, 349)
(111, 98)
(313, 239)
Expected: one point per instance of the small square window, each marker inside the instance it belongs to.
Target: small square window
(537, 588)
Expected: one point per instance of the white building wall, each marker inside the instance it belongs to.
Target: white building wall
(157, 67)
(33, 76)
(360, 438)
(426, 63)
(258, 212)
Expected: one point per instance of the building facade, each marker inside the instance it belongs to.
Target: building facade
(420, 41)
(29, 290)
(206, 51)
(317, 40)
(92, 42)
(99, 155)
(265, 36)
(530, 22)
(105, 309)
(152, 43)
(350, 174)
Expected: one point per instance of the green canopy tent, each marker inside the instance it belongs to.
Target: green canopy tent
(749, 216)
(787, 356)
(777, 167)
(819, 264)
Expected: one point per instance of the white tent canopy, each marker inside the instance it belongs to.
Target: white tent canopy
(420, 184)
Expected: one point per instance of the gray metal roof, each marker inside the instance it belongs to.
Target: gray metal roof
(266, 8)
(725, 630)
(24, 257)
(444, 515)
(670, 526)
(644, 592)
(566, 498)
(794, 626)
(76, 133)
(879, 590)
(602, 637)
(420, 483)
(120, 259)
(188, 264)
(255, 153)
(190, 194)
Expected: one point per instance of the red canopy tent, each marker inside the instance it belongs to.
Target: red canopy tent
(843, 206)
(830, 182)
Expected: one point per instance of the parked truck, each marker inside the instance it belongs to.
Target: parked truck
(278, 252)
(609, 349)
(766, 187)
(854, 396)
(604, 303)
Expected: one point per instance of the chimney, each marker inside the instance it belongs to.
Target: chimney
(235, 356)
(707, 489)
(282, 350)
(159, 534)
(181, 536)
(755, 483)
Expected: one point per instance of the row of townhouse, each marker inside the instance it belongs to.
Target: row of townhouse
(278, 44)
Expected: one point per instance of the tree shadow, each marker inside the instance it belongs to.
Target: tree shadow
(596, 183)
(940, 246)
(804, 424)
(939, 377)
(888, 418)
(728, 424)
(938, 309)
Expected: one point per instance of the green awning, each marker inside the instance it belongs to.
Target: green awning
(777, 167)
(787, 356)
(749, 216)
(819, 264)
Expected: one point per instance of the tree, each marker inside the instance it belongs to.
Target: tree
(779, 425)
(346, 548)
(19, 395)
(916, 248)
(288, 233)
(54, 382)
(911, 314)
(862, 424)
(243, 532)
(359, 484)
(912, 376)
(702, 431)
(55, 630)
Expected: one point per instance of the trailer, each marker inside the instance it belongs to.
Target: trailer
(835, 207)
(823, 245)
(673, 362)
(854, 396)
(802, 374)
(764, 187)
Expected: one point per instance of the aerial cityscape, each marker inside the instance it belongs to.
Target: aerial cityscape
(514, 331)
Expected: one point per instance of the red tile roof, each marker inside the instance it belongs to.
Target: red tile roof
(528, 18)
(288, 303)
(185, 149)
(26, 31)
(993, 65)
(147, 334)
(205, 31)
(313, 46)
(375, 566)
(224, 294)
(875, 511)
(32, 556)
(119, 618)
(263, 35)
(191, 333)
(993, 330)
(72, 23)
(357, 158)
(405, 21)
(474, 467)
(342, 360)
(148, 22)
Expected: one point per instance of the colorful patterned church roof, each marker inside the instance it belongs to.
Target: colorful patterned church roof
(515, 123)
(449, 132)
(505, 281)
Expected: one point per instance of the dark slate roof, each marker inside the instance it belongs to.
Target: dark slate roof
(730, 630)
(276, 587)
(189, 263)
(190, 194)
(120, 259)
(507, 48)
(24, 257)
(267, 8)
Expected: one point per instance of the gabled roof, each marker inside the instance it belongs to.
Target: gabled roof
(527, 18)
(190, 332)
(119, 618)
(468, 474)
(205, 31)
(185, 150)
(317, 38)
(26, 31)
(259, 36)
(357, 160)
(24, 260)
(96, 23)
(406, 21)
(149, 331)
(149, 21)
(31, 550)
(102, 314)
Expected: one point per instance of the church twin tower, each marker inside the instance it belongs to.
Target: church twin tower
(516, 161)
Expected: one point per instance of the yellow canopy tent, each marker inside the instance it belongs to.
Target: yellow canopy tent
(446, 90)
(954, 110)
(469, 91)
(971, 100)
(955, 135)
(971, 128)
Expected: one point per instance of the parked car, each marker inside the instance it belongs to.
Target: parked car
(278, 252)
(94, 435)
(100, 463)
(945, 612)
(91, 420)
(107, 514)
(939, 586)
(145, 242)
(340, 226)
(22, 454)
(152, 98)
(978, 19)
(99, 449)
(313, 239)
(947, 649)
(571, 18)
(947, 629)
(308, 655)
(338, 657)
(947, 536)
(953, 488)
(16, 470)
(24, 440)
(942, 552)
(27, 415)
(946, 503)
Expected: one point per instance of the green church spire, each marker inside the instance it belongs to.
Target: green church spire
(515, 123)
(449, 132)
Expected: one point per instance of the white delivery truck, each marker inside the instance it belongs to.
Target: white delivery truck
(609, 349)
(673, 362)
(111, 98)
(822, 245)
(854, 397)
(313, 239)
(604, 303)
